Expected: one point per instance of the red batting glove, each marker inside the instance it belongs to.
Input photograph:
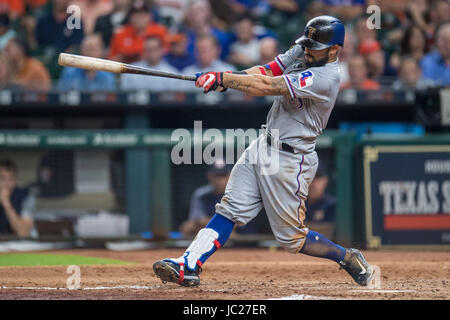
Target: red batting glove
(210, 81)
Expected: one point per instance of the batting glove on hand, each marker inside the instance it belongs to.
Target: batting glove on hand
(219, 89)
(209, 81)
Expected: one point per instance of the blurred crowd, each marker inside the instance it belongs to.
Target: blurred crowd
(411, 49)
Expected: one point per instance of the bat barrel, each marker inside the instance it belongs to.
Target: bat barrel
(89, 63)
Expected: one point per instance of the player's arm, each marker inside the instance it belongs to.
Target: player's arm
(259, 70)
(20, 226)
(272, 69)
(262, 70)
(254, 84)
(277, 66)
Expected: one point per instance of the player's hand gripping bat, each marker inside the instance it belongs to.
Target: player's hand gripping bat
(95, 64)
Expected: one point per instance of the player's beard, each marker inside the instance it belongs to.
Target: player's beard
(317, 63)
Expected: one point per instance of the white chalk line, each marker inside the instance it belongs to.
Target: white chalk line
(304, 297)
(132, 287)
(293, 297)
(310, 297)
(86, 288)
(137, 287)
(381, 291)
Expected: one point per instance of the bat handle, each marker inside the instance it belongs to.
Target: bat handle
(191, 78)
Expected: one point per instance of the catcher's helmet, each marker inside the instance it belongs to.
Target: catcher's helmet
(322, 32)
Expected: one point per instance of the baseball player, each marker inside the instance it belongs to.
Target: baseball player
(305, 81)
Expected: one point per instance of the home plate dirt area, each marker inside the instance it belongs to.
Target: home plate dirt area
(247, 274)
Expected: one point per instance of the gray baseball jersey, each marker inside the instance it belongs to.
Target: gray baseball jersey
(301, 118)
(297, 119)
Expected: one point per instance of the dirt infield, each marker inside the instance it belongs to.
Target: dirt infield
(235, 274)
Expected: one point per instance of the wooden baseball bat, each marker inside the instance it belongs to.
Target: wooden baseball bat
(95, 64)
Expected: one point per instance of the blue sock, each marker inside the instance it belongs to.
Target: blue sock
(317, 245)
(223, 226)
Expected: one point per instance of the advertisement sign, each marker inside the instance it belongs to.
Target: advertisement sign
(407, 195)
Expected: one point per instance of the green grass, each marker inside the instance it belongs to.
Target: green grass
(40, 259)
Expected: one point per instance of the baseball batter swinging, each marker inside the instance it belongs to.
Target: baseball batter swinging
(305, 81)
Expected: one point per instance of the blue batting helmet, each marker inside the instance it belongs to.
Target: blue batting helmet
(322, 32)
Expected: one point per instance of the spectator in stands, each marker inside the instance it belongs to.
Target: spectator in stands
(291, 6)
(314, 9)
(268, 50)
(358, 75)
(240, 7)
(91, 10)
(391, 28)
(171, 12)
(128, 42)
(5, 71)
(28, 72)
(55, 174)
(152, 57)
(427, 15)
(27, 23)
(13, 8)
(346, 10)
(439, 12)
(17, 8)
(410, 76)
(52, 33)
(362, 32)
(417, 11)
(285, 18)
(88, 80)
(321, 205)
(6, 75)
(377, 66)
(207, 52)
(16, 204)
(5, 32)
(205, 198)
(228, 11)
(197, 23)
(107, 24)
(389, 5)
(178, 56)
(244, 52)
(414, 42)
(347, 51)
(436, 64)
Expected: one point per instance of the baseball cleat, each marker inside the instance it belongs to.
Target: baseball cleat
(357, 267)
(169, 271)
